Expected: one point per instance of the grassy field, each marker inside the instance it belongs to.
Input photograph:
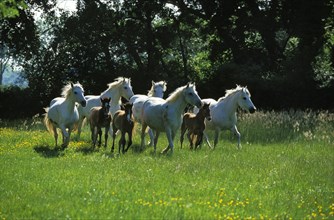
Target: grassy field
(284, 170)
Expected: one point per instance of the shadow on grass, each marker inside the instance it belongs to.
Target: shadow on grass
(87, 150)
(47, 152)
(136, 148)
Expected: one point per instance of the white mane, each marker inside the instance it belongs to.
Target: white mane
(174, 95)
(230, 92)
(67, 89)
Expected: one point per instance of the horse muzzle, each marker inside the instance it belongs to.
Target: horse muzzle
(83, 103)
(252, 109)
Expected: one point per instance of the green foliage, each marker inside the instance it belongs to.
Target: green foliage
(284, 170)
(263, 44)
(10, 8)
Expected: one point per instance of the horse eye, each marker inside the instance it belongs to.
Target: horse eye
(75, 93)
(244, 98)
(190, 93)
(125, 87)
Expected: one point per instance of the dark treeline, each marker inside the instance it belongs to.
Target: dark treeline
(281, 49)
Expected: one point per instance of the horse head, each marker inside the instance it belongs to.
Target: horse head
(206, 111)
(158, 89)
(245, 101)
(191, 96)
(127, 107)
(105, 105)
(125, 88)
(78, 94)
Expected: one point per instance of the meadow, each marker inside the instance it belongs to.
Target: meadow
(285, 169)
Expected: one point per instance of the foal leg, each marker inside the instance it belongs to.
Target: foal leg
(130, 141)
(199, 140)
(106, 136)
(190, 139)
(183, 130)
(113, 141)
(100, 134)
(121, 143)
(92, 135)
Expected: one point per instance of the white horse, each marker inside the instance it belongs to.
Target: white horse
(166, 115)
(137, 101)
(223, 112)
(121, 87)
(63, 113)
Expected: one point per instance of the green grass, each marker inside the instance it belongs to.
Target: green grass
(284, 170)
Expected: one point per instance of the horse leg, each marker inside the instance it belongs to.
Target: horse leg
(65, 137)
(170, 146)
(216, 138)
(150, 133)
(143, 129)
(55, 134)
(236, 132)
(80, 122)
(207, 139)
(157, 133)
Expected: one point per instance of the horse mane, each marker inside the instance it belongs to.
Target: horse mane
(118, 81)
(174, 95)
(230, 92)
(161, 83)
(66, 90)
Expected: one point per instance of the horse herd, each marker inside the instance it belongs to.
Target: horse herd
(152, 111)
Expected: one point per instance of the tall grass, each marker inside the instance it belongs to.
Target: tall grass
(284, 170)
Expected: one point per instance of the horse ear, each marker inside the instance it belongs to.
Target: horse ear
(122, 107)
(72, 85)
(153, 83)
(188, 84)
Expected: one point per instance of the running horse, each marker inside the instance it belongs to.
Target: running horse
(224, 112)
(63, 113)
(166, 115)
(157, 90)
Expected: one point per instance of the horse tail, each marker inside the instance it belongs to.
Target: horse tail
(48, 123)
